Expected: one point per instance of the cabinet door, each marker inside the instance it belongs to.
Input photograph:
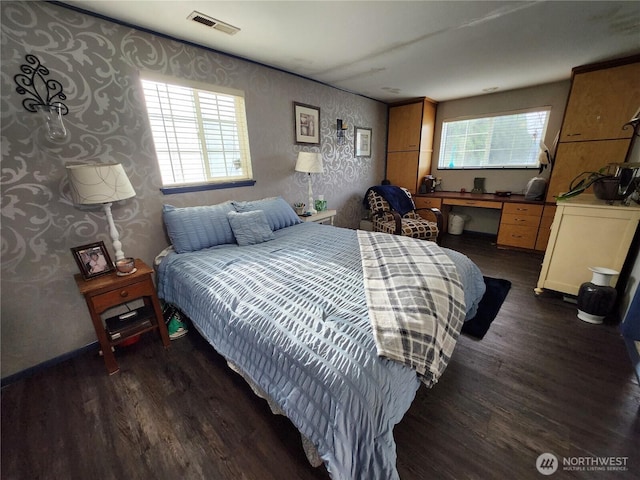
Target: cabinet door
(584, 237)
(404, 127)
(574, 158)
(601, 102)
(402, 169)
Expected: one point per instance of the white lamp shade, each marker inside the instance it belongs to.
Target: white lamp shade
(99, 183)
(309, 162)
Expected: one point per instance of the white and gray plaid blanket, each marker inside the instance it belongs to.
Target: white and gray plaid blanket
(415, 300)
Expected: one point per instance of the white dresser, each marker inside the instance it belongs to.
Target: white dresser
(586, 232)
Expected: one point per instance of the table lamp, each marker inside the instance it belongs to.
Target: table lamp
(309, 162)
(101, 184)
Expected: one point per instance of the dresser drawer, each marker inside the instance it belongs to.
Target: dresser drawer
(517, 236)
(427, 202)
(518, 219)
(122, 295)
(522, 209)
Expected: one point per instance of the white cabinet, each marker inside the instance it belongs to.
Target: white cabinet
(586, 232)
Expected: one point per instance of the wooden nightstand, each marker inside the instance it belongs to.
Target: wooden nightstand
(320, 217)
(111, 290)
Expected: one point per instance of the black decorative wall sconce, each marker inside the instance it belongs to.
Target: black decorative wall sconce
(340, 129)
(45, 96)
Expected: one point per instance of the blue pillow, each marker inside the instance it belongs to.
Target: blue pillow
(278, 212)
(250, 228)
(194, 228)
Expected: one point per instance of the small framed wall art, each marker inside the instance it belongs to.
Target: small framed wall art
(93, 260)
(306, 121)
(362, 142)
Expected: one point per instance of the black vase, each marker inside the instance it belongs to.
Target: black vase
(597, 298)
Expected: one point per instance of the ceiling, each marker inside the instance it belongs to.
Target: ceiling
(395, 50)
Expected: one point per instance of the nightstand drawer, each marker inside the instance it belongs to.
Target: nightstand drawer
(122, 295)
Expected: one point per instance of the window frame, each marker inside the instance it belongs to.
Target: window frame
(442, 165)
(241, 130)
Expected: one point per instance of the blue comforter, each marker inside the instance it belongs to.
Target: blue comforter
(291, 313)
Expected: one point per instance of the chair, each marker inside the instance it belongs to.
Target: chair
(392, 220)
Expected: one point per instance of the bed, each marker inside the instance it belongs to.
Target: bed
(290, 307)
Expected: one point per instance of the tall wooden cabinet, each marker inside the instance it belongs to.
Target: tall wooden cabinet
(603, 98)
(410, 143)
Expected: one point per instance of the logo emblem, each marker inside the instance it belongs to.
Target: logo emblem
(547, 464)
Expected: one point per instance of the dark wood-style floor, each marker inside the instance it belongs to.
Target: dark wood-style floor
(540, 381)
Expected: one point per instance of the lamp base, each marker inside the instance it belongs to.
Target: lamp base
(311, 211)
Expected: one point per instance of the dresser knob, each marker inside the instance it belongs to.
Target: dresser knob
(124, 294)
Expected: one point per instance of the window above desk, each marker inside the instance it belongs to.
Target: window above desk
(504, 140)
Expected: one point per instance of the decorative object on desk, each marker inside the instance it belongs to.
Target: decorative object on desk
(535, 188)
(597, 298)
(101, 184)
(32, 82)
(321, 204)
(340, 129)
(362, 142)
(428, 184)
(299, 207)
(503, 193)
(306, 121)
(488, 308)
(309, 162)
(126, 266)
(478, 185)
(93, 260)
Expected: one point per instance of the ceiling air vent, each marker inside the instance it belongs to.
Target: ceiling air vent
(213, 23)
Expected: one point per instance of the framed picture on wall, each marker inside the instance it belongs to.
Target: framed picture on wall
(362, 142)
(93, 260)
(306, 121)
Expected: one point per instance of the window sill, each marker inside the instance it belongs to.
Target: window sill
(206, 186)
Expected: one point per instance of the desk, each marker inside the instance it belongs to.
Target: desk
(519, 218)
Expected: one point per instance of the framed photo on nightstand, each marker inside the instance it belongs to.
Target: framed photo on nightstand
(93, 260)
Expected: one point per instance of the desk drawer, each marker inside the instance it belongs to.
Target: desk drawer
(519, 219)
(427, 202)
(472, 203)
(522, 209)
(517, 236)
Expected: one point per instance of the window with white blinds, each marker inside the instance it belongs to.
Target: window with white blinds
(499, 141)
(200, 135)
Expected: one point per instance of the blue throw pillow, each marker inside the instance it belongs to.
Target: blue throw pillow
(278, 212)
(194, 228)
(250, 228)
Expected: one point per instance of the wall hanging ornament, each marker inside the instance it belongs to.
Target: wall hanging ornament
(44, 96)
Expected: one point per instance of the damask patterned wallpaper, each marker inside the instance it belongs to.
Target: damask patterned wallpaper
(98, 63)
